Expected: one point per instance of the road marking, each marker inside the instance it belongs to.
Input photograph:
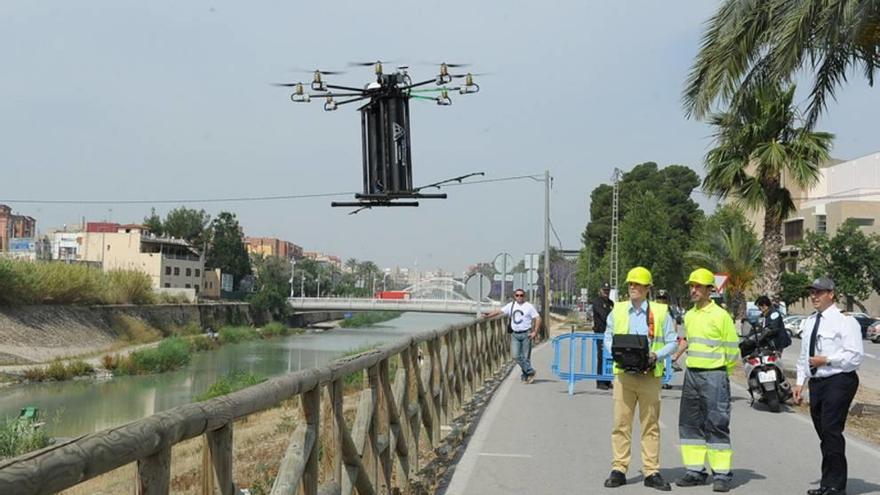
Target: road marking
(492, 454)
(870, 355)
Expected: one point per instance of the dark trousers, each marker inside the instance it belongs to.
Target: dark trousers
(830, 399)
(599, 353)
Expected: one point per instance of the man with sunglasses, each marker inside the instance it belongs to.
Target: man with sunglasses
(831, 352)
(525, 322)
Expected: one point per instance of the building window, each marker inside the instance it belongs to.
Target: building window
(167, 270)
(167, 285)
(189, 272)
(199, 272)
(862, 222)
(187, 286)
(794, 232)
(821, 224)
(196, 287)
(177, 270)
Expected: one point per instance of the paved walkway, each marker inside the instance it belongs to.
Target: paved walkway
(536, 439)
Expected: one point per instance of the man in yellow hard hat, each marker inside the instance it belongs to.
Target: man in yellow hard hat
(641, 388)
(704, 415)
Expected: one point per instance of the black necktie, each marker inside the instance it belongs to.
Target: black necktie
(813, 337)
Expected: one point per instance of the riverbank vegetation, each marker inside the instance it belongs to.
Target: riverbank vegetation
(18, 436)
(27, 282)
(59, 370)
(371, 318)
(231, 382)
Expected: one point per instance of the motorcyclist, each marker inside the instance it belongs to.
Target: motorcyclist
(772, 331)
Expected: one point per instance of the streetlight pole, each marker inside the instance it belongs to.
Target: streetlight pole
(319, 286)
(302, 285)
(292, 265)
(383, 282)
(546, 305)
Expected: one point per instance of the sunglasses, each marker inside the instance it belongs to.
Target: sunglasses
(519, 295)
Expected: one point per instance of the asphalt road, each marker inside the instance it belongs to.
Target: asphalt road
(536, 439)
(869, 372)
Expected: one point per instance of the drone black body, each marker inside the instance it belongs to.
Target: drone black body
(385, 130)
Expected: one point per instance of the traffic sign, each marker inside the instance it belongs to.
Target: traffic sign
(477, 286)
(503, 263)
(720, 282)
(531, 261)
(497, 277)
(532, 276)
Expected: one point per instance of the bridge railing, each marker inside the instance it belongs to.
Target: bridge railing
(437, 373)
(366, 304)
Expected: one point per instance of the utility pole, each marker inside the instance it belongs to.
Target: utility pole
(546, 304)
(615, 211)
(292, 265)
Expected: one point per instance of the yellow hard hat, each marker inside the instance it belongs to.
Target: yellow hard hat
(702, 276)
(639, 275)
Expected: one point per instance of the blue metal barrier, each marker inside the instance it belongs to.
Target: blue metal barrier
(577, 355)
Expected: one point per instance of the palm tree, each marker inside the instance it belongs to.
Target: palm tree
(749, 42)
(757, 142)
(737, 253)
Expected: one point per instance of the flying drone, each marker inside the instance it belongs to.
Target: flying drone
(385, 129)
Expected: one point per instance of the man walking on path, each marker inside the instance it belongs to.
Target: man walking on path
(831, 352)
(704, 414)
(602, 307)
(525, 322)
(639, 389)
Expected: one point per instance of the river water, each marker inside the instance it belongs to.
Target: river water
(77, 407)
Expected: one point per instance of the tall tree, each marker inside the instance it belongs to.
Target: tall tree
(735, 252)
(190, 225)
(154, 222)
(271, 285)
(747, 43)
(227, 251)
(851, 258)
(756, 143)
(671, 187)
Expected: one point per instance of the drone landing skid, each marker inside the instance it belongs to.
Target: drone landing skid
(387, 200)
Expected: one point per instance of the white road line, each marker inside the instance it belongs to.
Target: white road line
(491, 454)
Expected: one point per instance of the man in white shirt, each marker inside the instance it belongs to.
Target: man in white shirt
(831, 352)
(525, 322)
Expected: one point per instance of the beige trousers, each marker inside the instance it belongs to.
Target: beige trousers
(632, 390)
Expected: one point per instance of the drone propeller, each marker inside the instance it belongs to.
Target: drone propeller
(320, 71)
(369, 64)
(287, 85)
(472, 74)
(451, 66)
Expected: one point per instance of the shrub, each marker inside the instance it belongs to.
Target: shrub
(128, 287)
(202, 343)
(275, 329)
(233, 335)
(191, 328)
(20, 437)
(35, 374)
(170, 354)
(134, 330)
(230, 382)
(79, 368)
(110, 362)
(169, 298)
(57, 371)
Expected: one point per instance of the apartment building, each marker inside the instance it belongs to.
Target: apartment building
(170, 263)
(328, 259)
(846, 190)
(271, 246)
(16, 231)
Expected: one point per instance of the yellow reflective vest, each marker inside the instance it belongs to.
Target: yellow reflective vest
(712, 339)
(659, 313)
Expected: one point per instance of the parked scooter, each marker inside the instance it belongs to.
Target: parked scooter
(763, 368)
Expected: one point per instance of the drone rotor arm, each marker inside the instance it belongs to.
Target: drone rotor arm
(346, 88)
(415, 85)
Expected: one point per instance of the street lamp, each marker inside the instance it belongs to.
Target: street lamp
(292, 265)
(383, 281)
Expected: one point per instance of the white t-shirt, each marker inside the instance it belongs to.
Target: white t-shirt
(522, 317)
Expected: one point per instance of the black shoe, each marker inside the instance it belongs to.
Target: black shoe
(615, 479)
(657, 482)
(602, 386)
(816, 491)
(691, 479)
(666, 386)
(721, 485)
(825, 490)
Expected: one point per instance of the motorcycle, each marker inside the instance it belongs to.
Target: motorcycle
(763, 368)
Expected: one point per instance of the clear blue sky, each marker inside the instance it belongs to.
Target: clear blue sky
(162, 100)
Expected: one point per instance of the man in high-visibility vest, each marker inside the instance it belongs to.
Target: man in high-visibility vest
(639, 316)
(704, 415)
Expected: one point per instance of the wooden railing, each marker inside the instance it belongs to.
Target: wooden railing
(379, 453)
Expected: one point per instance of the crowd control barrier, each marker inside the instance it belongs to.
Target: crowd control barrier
(576, 354)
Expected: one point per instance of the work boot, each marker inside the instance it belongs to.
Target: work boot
(691, 478)
(657, 482)
(615, 479)
(722, 485)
